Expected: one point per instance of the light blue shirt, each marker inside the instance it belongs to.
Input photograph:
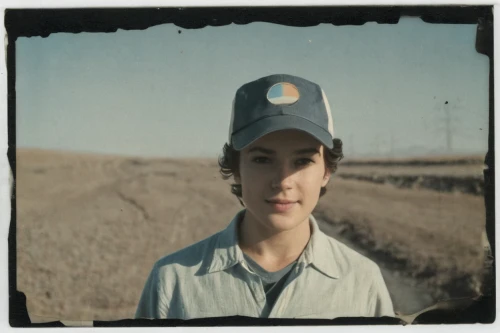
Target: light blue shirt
(211, 279)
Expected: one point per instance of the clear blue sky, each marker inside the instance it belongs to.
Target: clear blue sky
(156, 92)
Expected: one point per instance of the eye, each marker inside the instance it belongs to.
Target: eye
(304, 161)
(261, 160)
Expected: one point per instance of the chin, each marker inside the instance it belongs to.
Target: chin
(283, 222)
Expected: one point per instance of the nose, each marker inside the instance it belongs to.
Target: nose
(282, 178)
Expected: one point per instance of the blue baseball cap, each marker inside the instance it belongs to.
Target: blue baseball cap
(279, 102)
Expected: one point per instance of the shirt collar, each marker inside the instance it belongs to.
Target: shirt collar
(227, 252)
(319, 252)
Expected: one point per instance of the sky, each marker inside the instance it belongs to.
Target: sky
(161, 93)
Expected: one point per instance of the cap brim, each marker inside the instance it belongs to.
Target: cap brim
(250, 134)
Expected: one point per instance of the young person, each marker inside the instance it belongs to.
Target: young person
(272, 260)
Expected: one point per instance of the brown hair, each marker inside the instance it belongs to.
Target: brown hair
(229, 163)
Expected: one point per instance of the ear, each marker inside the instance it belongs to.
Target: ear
(237, 178)
(326, 178)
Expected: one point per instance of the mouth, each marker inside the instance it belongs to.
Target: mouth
(281, 205)
(280, 201)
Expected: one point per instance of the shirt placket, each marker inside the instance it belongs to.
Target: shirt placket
(256, 289)
(283, 299)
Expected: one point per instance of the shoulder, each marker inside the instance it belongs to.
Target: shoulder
(192, 257)
(364, 275)
(350, 261)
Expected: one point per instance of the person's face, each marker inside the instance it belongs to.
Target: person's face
(281, 176)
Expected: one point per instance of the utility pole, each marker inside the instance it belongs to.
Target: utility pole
(376, 145)
(351, 142)
(392, 146)
(448, 127)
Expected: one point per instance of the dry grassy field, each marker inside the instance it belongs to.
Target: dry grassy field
(90, 227)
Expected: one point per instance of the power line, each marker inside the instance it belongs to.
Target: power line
(450, 121)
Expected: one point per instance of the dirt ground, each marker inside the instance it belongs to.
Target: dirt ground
(90, 227)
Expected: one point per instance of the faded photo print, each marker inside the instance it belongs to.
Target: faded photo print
(259, 170)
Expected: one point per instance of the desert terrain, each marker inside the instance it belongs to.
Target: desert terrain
(90, 227)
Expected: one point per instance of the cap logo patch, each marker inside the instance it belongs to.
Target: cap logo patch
(283, 94)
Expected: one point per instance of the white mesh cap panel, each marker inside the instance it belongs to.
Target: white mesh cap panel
(329, 114)
(231, 123)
